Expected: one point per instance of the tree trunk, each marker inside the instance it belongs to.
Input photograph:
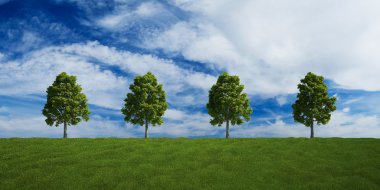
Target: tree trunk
(227, 129)
(64, 130)
(146, 129)
(312, 130)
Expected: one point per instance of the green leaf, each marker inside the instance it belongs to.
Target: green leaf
(65, 102)
(146, 103)
(313, 103)
(227, 102)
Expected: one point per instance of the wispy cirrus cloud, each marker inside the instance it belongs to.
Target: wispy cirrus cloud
(124, 16)
(92, 63)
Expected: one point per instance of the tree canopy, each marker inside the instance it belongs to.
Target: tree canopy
(313, 103)
(227, 102)
(146, 103)
(66, 104)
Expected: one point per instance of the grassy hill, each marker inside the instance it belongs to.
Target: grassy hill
(293, 163)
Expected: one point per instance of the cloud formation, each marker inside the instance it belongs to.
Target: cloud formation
(92, 64)
(271, 44)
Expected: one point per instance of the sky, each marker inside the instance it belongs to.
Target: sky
(187, 44)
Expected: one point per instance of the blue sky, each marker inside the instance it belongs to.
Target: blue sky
(271, 45)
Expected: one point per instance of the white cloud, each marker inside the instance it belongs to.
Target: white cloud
(174, 114)
(36, 127)
(148, 9)
(113, 20)
(277, 129)
(189, 124)
(186, 124)
(348, 125)
(198, 42)
(281, 100)
(269, 44)
(341, 125)
(174, 78)
(29, 40)
(24, 127)
(37, 70)
(272, 44)
(346, 109)
(124, 16)
(177, 124)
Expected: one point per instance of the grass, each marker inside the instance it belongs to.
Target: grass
(292, 163)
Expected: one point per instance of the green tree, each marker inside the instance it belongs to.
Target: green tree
(146, 103)
(313, 103)
(227, 103)
(65, 103)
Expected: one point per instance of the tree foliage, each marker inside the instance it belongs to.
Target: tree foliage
(227, 102)
(66, 104)
(146, 103)
(313, 103)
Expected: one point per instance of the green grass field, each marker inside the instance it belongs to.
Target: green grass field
(292, 163)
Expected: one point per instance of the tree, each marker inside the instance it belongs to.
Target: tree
(65, 103)
(146, 103)
(313, 103)
(227, 103)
